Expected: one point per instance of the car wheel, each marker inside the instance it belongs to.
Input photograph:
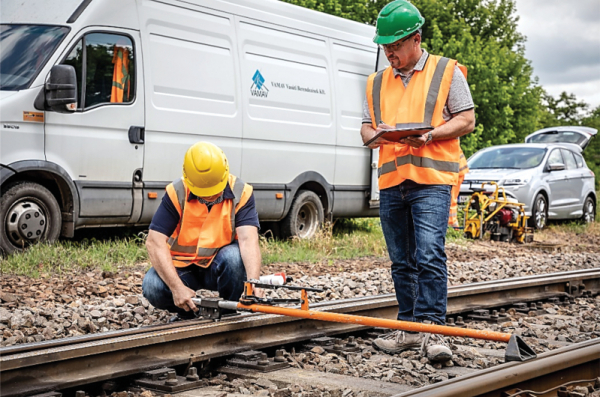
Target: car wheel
(539, 213)
(305, 216)
(589, 210)
(29, 213)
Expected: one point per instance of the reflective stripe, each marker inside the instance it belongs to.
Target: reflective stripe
(206, 252)
(386, 168)
(463, 168)
(432, 95)
(180, 190)
(462, 156)
(179, 248)
(238, 190)
(425, 162)
(200, 262)
(377, 96)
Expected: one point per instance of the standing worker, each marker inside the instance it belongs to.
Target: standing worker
(204, 235)
(416, 174)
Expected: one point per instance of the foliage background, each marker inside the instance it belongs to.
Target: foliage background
(483, 35)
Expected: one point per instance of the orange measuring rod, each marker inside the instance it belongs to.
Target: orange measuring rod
(304, 312)
(517, 349)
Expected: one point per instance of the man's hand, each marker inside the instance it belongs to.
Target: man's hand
(182, 297)
(259, 292)
(415, 141)
(367, 132)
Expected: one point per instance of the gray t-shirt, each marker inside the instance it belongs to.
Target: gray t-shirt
(459, 96)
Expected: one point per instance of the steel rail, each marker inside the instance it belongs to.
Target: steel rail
(550, 369)
(70, 362)
(460, 298)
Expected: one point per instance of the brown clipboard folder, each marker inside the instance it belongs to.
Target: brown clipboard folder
(395, 134)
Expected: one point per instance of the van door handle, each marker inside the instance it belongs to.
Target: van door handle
(136, 134)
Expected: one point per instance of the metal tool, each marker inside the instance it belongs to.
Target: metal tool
(493, 211)
(517, 349)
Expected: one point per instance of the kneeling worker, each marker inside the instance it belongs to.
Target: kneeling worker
(204, 235)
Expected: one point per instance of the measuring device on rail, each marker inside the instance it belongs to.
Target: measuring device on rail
(516, 350)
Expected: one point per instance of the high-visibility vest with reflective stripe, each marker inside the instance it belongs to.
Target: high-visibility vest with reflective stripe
(120, 74)
(200, 233)
(420, 104)
(462, 171)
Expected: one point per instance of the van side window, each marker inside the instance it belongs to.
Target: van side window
(75, 59)
(569, 159)
(109, 69)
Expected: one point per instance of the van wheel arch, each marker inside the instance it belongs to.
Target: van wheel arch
(311, 202)
(314, 182)
(52, 177)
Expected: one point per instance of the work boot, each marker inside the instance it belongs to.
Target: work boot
(398, 341)
(435, 348)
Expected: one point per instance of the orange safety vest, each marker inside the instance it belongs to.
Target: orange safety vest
(200, 233)
(462, 171)
(120, 74)
(435, 163)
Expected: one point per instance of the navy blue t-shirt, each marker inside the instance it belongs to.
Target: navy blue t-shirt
(166, 218)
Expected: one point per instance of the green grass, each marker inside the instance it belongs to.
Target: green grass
(111, 250)
(557, 228)
(347, 239)
(68, 255)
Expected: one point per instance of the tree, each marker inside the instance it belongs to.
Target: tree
(482, 35)
(365, 11)
(564, 110)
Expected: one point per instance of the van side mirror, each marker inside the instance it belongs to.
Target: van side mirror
(61, 89)
(556, 167)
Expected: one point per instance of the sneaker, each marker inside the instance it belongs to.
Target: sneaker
(435, 348)
(398, 341)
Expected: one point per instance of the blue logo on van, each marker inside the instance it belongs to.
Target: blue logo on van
(258, 87)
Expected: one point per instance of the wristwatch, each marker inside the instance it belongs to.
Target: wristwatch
(429, 138)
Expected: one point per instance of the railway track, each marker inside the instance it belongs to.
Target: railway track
(35, 368)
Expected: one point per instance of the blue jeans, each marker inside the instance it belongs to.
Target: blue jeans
(414, 219)
(226, 274)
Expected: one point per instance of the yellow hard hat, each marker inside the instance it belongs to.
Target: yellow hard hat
(205, 169)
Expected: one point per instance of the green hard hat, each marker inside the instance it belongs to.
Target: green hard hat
(397, 20)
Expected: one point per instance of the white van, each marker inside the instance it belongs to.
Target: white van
(100, 99)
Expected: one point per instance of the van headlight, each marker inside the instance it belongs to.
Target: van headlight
(516, 182)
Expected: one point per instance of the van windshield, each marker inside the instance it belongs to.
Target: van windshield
(507, 157)
(25, 51)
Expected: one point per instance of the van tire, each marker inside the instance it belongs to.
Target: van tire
(304, 218)
(28, 213)
(539, 212)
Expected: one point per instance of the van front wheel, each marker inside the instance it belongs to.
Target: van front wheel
(29, 213)
(305, 216)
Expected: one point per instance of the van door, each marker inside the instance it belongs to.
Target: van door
(101, 144)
